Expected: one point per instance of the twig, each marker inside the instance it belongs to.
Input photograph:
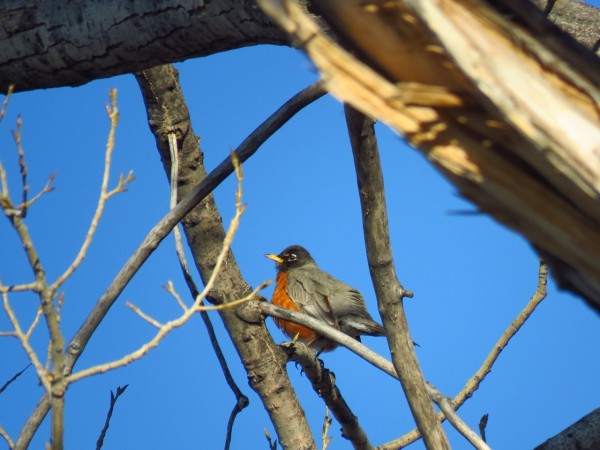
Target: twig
(187, 314)
(241, 403)
(358, 348)
(18, 333)
(482, 426)
(241, 400)
(446, 406)
(34, 323)
(11, 88)
(160, 231)
(144, 316)
(7, 438)
(105, 194)
(272, 444)
(326, 424)
(474, 382)
(113, 402)
(17, 375)
(171, 290)
(22, 166)
(548, 8)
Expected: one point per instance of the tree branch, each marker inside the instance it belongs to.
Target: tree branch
(117, 38)
(480, 120)
(386, 366)
(323, 383)
(241, 400)
(584, 434)
(262, 359)
(388, 289)
(158, 233)
(113, 402)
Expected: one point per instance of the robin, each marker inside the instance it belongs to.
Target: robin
(302, 286)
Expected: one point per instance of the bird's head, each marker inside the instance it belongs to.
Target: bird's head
(291, 258)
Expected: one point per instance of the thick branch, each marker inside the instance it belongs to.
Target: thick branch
(262, 359)
(323, 382)
(388, 289)
(584, 434)
(46, 46)
(516, 132)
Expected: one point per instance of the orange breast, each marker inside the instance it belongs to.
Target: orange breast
(281, 298)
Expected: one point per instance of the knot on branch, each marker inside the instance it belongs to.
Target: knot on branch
(249, 312)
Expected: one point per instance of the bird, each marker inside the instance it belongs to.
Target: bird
(300, 285)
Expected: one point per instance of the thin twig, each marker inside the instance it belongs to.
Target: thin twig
(446, 406)
(113, 402)
(241, 399)
(17, 375)
(180, 321)
(160, 231)
(22, 166)
(241, 403)
(474, 382)
(326, 424)
(34, 323)
(144, 316)
(11, 88)
(171, 290)
(31, 354)
(272, 444)
(7, 438)
(105, 194)
(482, 426)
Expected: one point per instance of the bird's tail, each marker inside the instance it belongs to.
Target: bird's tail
(357, 326)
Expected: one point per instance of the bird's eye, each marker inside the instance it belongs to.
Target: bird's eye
(292, 257)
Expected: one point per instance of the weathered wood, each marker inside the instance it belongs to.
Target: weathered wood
(505, 105)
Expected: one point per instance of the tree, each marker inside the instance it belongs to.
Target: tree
(161, 88)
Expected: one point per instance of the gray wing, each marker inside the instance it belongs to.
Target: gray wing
(347, 304)
(310, 296)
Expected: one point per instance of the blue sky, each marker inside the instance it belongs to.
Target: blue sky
(470, 275)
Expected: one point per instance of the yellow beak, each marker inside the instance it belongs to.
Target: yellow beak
(275, 258)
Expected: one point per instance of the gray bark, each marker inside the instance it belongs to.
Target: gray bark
(56, 43)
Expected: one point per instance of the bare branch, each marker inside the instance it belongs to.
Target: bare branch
(446, 406)
(22, 166)
(241, 400)
(540, 294)
(473, 383)
(159, 232)
(105, 194)
(323, 383)
(326, 424)
(9, 92)
(144, 316)
(34, 323)
(113, 402)
(188, 313)
(7, 438)
(583, 434)
(24, 341)
(171, 290)
(389, 291)
(15, 376)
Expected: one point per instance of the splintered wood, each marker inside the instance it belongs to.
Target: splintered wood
(508, 114)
